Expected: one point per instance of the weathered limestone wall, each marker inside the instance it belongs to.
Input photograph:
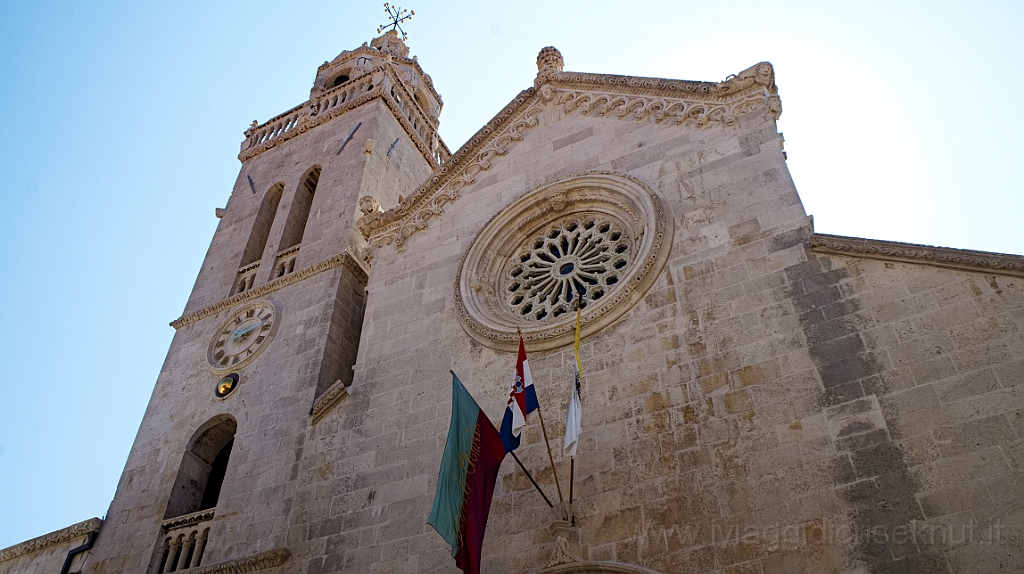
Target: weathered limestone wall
(758, 411)
(922, 368)
(640, 481)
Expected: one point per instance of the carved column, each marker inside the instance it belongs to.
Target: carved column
(201, 547)
(173, 555)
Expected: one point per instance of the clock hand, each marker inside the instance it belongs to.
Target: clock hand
(240, 334)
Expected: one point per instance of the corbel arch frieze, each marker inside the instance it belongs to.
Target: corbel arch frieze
(675, 102)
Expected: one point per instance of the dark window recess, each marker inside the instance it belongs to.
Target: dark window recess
(216, 479)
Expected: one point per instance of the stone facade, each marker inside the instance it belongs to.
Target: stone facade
(766, 400)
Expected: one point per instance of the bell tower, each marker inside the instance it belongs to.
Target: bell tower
(271, 331)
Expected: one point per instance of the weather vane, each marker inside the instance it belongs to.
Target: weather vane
(397, 16)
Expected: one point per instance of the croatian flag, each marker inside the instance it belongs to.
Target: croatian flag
(521, 402)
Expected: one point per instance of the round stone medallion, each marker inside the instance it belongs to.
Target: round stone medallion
(596, 240)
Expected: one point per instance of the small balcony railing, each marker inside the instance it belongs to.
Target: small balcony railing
(284, 261)
(184, 541)
(246, 277)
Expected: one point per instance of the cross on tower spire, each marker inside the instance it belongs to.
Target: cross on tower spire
(397, 16)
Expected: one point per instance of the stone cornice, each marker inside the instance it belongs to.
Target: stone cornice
(187, 520)
(325, 402)
(52, 539)
(967, 260)
(346, 258)
(254, 563)
(701, 103)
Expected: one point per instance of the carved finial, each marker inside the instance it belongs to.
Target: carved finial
(549, 59)
(549, 63)
(397, 16)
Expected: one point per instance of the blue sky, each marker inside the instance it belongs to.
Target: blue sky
(120, 124)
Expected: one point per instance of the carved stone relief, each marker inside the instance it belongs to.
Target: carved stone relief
(599, 239)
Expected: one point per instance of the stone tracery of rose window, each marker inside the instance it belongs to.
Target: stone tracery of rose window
(599, 239)
(581, 256)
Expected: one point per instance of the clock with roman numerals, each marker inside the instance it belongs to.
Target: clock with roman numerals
(243, 336)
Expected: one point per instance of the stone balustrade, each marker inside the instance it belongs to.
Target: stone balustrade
(382, 83)
(246, 277)
(284, 261)
(184, 542)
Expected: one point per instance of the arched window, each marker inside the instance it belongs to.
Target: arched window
(299, 212)
(261, 227)
(203, 466)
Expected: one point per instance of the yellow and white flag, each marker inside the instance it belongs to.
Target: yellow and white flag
(572, 419)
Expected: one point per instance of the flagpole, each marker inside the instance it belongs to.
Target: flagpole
(528, 475)
(579, 375)
(544, 431)
(572, 476)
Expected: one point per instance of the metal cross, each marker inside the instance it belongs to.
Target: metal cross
(397, 16)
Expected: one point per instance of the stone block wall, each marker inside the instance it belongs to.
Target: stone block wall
(748, 415)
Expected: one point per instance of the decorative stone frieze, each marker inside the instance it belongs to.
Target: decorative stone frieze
(254, 563)
(980, 261)
(351, 262)
(600, 238)
(187, 520)
(700, 104)
(61, 536)
(325, 402)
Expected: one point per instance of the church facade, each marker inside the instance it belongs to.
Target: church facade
(757, 397)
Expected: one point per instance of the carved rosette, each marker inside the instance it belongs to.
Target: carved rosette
(601, 238)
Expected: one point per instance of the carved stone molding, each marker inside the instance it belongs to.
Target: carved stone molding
(254, 563)
(967, 260)
(596, 568)
(61, 536)
(325, 402)
(561, 530)
(493, 289)
(345, 258)
(187, 520)
(700, 104)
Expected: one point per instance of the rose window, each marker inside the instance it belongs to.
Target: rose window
(577, 257)
(598, 240)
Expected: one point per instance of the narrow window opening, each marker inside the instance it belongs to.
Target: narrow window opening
(203, 467)
(342, 347)
(298, 215)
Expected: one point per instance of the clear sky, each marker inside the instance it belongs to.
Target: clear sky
(120, 124)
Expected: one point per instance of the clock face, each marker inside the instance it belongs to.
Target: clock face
(243, 336)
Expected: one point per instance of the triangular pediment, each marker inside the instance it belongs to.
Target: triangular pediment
(695, 104)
